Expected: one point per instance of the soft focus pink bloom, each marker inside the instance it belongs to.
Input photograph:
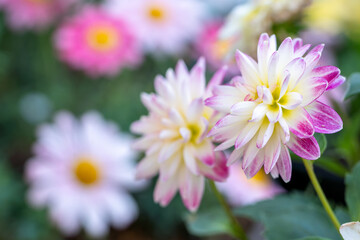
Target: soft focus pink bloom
(33, 14)
(239, 190)
(273, 107)
(97, 43)
(215, 51)
(174, 135)
(82, 171)
(163, 26)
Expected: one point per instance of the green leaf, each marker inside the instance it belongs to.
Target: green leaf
(291, 216)
(354, 85)
(352, 192)
(208, 223)
(321, 139)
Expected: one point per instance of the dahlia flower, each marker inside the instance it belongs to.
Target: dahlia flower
(215, 51)
(241, 191)
(174, 135)
(33, 14)
(82, 171)
(350, 231)
(98, 43)
(160, 24)
(273, 107)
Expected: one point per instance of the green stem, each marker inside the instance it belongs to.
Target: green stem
(237, 229)
(310, 170)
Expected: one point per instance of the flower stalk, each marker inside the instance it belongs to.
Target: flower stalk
(310, 170)
(238, 231)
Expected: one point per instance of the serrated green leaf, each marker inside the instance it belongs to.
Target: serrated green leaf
(291, 216)
(352, 192)
(208, 223)
(321, 139)
(354, 85)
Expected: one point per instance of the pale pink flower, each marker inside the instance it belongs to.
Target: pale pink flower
(350, 231)
(239, 190)
(273, 107)
(174, 135)
(33, 14)
(98, 43)
(215, 50)
(82, 171)
(163, 26)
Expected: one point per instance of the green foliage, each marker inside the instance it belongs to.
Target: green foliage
(321, 139)
(352, 194)
(208, 223)
(354, 85)
(291, 216)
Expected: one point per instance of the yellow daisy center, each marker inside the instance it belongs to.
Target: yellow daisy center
(195, 130)
(221, 48)
(86, 171)
(156, 13)
(103, 38)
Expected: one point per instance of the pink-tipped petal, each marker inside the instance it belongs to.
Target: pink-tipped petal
(307, 148)
(255, 165)
(219, 171)
(299, 122)
(165, 191)
(191, 190)
(284, 164)
(336, 82)
(324, 118)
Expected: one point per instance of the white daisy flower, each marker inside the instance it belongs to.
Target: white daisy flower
(82, 171)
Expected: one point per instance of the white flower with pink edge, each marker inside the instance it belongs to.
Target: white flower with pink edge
(273, 107)
(350, 231)
(174, 135)
(82, 170)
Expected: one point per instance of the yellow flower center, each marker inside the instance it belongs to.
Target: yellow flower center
(195, 131)
(86, 171)
(221, 48)
(156, 13)
(103, 38)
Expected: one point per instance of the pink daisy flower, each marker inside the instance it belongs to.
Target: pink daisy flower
(33, 14)
(239, 190)
(273, 107)
(216, 51)
(160, 24)
(174, 135)
(97, 43)
(82, 170)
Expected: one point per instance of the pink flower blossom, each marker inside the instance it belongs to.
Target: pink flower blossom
(163, 26)
(174, 135)
(97, 43)
(239, 190)
(82, 170)
(33, 14)
(215, 51)
(273, 107)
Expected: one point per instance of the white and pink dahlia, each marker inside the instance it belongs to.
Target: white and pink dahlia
(174, 135)
(98, 43)
(33, 14)
(160, 24)
(273, 107)
(82, 170)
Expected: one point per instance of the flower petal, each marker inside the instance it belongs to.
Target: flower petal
(191, 190)
(307, 148)
(299, 122)
(350, 231)
(324, 118)
(284, 164)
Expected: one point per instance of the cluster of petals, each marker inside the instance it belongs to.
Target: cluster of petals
(97, 42)
(160, 24)
(33, 14)
(273, 107)
(246, 22)
(174, 135)
(215, 50)
(82, 171)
